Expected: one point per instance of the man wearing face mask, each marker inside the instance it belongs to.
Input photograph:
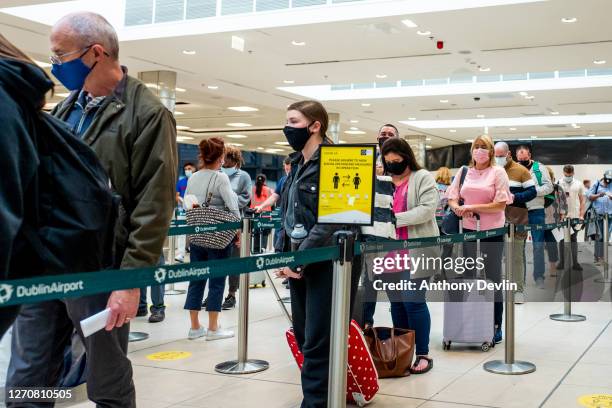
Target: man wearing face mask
(544, 187)
(600, 196)
(386, 132)
(523, 188)
(240, 181)
(574, 192)
(134, 136)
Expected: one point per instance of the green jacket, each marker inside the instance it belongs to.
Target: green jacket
(134, 136)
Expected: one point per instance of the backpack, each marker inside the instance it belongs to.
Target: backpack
(548, 198)
(75, 210)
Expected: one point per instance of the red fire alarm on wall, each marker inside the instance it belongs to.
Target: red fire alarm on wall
(440, 44)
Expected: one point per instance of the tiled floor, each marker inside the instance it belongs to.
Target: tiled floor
(572, 359)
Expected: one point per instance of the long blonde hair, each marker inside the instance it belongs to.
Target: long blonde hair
(490, 147)
(443, 176)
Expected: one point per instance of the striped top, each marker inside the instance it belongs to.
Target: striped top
(384, 219)
(522, 185)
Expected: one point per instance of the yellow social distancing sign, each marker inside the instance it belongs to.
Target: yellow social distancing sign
(346, 184)
(168, 355)
(596, 401)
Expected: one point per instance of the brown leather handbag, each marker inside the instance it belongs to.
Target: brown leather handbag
(393, 356)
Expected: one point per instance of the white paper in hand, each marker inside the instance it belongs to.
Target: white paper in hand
(189, 201)
(95, 323)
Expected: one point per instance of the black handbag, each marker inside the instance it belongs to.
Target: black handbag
(450, 222)
(206, 215)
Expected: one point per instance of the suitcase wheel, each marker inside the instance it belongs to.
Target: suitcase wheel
(446, 345)
(485, 347)
(263, 284)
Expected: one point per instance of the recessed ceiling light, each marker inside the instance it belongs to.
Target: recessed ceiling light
(443, 100)
(342, 141)
(189, 52)
(354, 121)
(411, 118)
(213, 87)
(238, 124)
(289, 81)
(424, 33)
(409, 23)
(484, 69)
(354, 128)
(181, 127)
(183, 138)
(469, 140)
(235, 144)
(260, 148)
(599, 62)
(569, 20)
(63, 94)
(243, 109)
(237, 43)
(236, 136)
(274, 150)
(453, 130)
(575, 126)
(180, 89)
(50, 105)
(480, 116)
(554, 113)
(354, 132)
(298, 43)
(177, 113)
(530, 97)
(282, 143)
(523, 93)
(365, 105)
(591, 135)
(534, 137)
(513, 129)
(428, 146)
(381, 76)
(428, 139)
(152, 85)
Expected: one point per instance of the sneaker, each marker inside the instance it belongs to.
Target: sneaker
(519, 298)
(577, 267)
(540, 283)
(219, 334)
(157, 316)
(498, 335)
(142, 312)
(205, 302)
(197, 333)
(180, 259)
(229, 302)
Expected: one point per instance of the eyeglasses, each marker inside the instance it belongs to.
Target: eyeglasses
(57, 59)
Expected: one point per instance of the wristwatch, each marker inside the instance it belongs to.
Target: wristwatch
(299, 269)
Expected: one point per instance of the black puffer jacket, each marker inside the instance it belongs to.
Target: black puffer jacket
(22, 90)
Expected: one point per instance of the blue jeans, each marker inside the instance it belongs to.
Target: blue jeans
(599, 244)
(414, 316)
(157, 295)
(537, 217)
(216, 286)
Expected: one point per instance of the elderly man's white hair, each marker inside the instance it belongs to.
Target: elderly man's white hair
(91, 28)
(502, 145)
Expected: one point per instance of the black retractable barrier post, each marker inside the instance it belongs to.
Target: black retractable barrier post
(606, 255)
(338, 353)
(567, 315)
(243, 365)
(509, 366)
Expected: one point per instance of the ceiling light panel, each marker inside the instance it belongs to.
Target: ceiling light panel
(243, 109)
(510, 122)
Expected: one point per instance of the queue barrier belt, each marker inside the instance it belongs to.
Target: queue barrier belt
(41, 288)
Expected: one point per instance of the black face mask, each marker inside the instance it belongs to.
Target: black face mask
(396, 168)
(382, 141)
(525, 162)
(297, 137)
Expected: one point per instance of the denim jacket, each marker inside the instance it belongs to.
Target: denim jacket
(305, 207)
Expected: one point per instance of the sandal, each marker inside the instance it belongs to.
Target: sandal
(416, 363)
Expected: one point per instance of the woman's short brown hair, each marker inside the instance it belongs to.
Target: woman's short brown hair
(313, 111)
(211, 149)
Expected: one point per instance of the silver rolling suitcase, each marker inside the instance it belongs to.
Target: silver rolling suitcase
(468, 316)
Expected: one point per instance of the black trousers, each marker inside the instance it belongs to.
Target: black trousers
(311, 307)
(40, 335)
(574, 245)
(8, 315)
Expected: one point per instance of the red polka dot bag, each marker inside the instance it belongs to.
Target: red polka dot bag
(362, 378)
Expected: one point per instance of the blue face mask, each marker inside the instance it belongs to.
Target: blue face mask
(72, 74)
(230, 171)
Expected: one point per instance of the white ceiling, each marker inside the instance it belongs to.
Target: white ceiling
(508, 39)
